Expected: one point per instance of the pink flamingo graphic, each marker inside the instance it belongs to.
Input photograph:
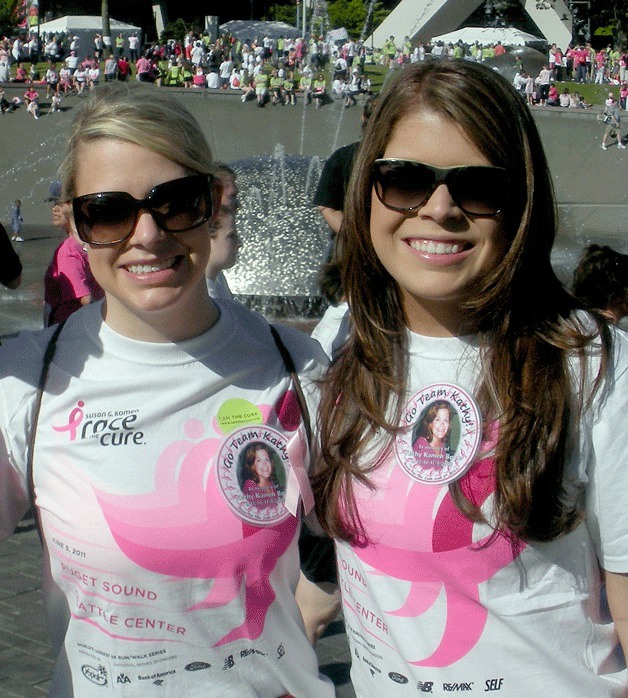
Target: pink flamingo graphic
(185, 529)
(436, 551)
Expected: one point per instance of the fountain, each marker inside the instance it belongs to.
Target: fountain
(284, 236)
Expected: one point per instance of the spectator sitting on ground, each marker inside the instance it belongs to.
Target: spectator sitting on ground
(198, 79)
(565, 98)
(31, 99)
(55, 103)
(213, 80)
(52, 80)
(289, 94)
(276, 84)
(305, 85)
(65, 79)
(552, 96)
(20, 74)
(247, 85)
(261, 87)
(235, 79)
(319, 90)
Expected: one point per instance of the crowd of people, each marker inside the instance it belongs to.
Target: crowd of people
(460, 445)
(277, 70)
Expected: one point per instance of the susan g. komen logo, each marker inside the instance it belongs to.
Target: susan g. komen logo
(253, 468)
(74, 421)
(441, 434)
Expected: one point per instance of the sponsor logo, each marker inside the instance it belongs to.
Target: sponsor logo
(397, 678)
(95, 675)
(123, 678)
(158, 676)
(113, 428)
(493, 685)
(441, 436)
(460, 686)
(425, 686)
(197, 666)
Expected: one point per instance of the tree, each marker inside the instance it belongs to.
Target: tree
(174, 30)
(610, 16)
(283, 13)
(104, 11)
(9, 13)
(349, 14)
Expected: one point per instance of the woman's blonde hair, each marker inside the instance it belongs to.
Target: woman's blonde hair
(141, 114)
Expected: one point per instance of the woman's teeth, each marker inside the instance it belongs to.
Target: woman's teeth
(148, 268)
(432, 247)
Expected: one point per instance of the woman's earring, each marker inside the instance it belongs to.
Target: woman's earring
(85, 248)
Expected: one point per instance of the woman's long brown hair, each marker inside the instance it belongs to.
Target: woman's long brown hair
(527, 323)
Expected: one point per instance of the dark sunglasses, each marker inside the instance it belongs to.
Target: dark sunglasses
(110, 217)
(406, 185)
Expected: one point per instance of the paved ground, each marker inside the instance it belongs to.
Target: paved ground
(591, 193)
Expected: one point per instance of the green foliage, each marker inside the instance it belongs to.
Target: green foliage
(349, 14)
(173, 30)
(282, 13)
(8, 16)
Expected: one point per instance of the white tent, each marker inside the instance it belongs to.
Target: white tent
(86, 27)
(251, 29)
(422, 20)
(509, 36)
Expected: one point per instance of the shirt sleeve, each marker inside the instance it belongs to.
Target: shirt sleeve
(332, 185)
(606, 510)
(20, 364)
(71, 265)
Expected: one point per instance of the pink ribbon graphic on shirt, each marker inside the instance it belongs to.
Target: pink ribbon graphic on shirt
(75, 418)
(441, 556)
(184, 529)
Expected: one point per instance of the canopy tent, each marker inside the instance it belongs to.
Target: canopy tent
(249, 29)
(86, 27)
(509, 36)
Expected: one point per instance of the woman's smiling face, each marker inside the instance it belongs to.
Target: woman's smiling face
(154, 281)
(437, 253)
(263, 465)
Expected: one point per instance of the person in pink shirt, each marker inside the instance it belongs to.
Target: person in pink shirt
(68, 283)
(580, 64)
(31, 99)
(143, 67)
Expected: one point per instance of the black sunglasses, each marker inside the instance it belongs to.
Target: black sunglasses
(406, 185)
(110, 217)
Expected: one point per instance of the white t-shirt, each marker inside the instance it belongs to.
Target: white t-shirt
(332, 330)
(161, 578)
(213, 80)
(219, 287)
(432, 606)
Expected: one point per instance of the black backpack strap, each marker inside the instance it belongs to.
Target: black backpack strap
(48, 357)
(290, 367)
